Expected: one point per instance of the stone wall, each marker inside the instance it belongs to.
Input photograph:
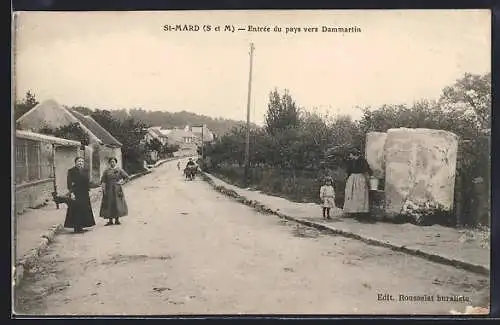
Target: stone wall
(33, 195)
(420, 166)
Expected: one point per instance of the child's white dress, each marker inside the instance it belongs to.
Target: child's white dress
(327, 196)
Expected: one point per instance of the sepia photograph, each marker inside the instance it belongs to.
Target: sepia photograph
(326, 162)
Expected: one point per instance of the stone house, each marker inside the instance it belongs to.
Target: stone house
(185, 139)
(102, 144)
(155, 133)
(41, 165)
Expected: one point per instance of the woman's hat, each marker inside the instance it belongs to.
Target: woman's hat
(328, 178)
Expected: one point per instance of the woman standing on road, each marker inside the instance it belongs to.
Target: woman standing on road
(79, 214)
(113, 204)
(356, 190)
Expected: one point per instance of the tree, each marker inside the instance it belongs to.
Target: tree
(470, 95)
(25, 105)
(71, 132)
(154, 145)
(169, 149)
(282, 112)
(130, 133)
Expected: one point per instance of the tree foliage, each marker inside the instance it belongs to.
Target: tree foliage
(130, 133)
(28, 102)
(71, 132)
(470, 96)
(282, 112)
(169, 120)
(154, 145)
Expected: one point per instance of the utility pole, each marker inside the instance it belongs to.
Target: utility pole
(247, 144)
(202, 142)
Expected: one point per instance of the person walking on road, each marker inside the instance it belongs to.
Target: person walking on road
(79, 214)
(327, 196)
(178, 165)
(356, 190)
(114, 205)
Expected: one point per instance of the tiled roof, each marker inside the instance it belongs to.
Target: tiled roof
(157, 132)
(94, 127)
(23, 134)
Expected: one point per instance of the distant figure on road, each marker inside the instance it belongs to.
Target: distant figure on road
(190, 170)
(327, 196)
(190, 163)
(356, 189)
(178, 165)
(113, 204)
(79, 214)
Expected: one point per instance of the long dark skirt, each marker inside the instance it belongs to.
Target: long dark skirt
(113, 203)
(79, 213)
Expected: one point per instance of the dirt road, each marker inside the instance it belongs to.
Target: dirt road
(185, 249)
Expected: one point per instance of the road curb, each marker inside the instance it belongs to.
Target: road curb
(28, 261)
(471, 267)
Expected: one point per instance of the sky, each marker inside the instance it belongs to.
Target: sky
(113, 60)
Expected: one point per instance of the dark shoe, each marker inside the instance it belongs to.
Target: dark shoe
(109, 223)
(117, 222)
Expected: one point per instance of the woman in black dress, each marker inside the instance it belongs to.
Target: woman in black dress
(79, 214)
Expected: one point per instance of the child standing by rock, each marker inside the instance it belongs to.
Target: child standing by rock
(327, 196)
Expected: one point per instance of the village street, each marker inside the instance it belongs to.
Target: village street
(186, 249)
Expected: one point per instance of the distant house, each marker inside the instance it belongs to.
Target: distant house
(204, 132)
(151, 134)
(41, 165)
(155, 133)
(102, 144)
(186, 140)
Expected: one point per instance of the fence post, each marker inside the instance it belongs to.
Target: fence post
(26, 163)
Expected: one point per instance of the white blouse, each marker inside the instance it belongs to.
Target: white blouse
(326, 191)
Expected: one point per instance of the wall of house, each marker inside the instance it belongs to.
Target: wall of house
(32, 195)
(105, 153)
(64, 160)
(87, 155)
(35, 182)
(50, 114)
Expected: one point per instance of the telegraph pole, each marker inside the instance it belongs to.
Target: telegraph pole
(202, 143)
(247, 143)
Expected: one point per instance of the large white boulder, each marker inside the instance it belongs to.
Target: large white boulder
(375, 143)
(420, 167)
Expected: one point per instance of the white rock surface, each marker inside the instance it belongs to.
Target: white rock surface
(375, 142)
(420, 167)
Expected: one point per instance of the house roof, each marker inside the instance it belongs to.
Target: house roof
(165, 132)
(96, 129)
(46, 138)
(180, 133)
(157, 132)
(207, 136)
(45, 103)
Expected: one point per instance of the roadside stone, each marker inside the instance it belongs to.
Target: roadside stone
(44, 242)
(49, 235)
